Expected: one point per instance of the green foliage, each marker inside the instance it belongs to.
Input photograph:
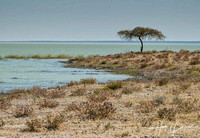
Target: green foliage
(141, 32)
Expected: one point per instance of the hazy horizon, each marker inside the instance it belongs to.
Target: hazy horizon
(94, 20)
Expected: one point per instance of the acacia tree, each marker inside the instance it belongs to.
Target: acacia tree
(141, 33)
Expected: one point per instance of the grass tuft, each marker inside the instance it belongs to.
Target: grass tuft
(78, 92)
(168, 114)
(23, 111)
(34, 125)
(113, 85)
(54, 121)
(95, 110)
(4, 103)
(100, 97)
(2, 123)
(46, 103)
(88, 81)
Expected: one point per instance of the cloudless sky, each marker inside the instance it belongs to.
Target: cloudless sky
(25, 20)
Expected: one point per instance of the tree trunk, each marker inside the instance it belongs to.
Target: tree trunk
(141, 44)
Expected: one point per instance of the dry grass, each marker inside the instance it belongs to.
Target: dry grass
(195, 61)
(49, 56)
(147, 106)
(127, 90)
(34, 125)
(133, 108)
(47, 103)
(100, 97)
(78, 92)
(72, 107)
(72, 83)
(2, 123)
(56, 94)
(4, 103)
(96, 110)
(161, 82)
(188, 106)
(113, 85)
(159, 100)
(167, 113)
(88, 81)
(23, 111)
(54, 121)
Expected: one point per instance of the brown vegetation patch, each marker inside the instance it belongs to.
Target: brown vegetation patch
(47, 103)
(23, 111)
(4, 103)
(88, 81)
(2, 123)
(167, 113)
(100, 97)
(54, 121)
(113, 85)
(78, 92)
(96, 110)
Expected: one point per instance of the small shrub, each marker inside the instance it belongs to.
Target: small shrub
(54, 121)
(103, 62)
(71, 83)
(97, 110)
(39, 92)
(108, 126)
(159, 100)
(188, 106)
(146, 121)
(177, 100)
(195, 61)
(125, 134)
(128, 104)
(23, 111)
(88, 81)
(113, 85)
(34, 125)
(17, 93)
(143, 65)
(2, 123)
(4, 103)
(160, 66)
(79, 92)
(100, 97)
(168, 114)
(72, 107)
(162, 82)
(127, 90)
(46, 103)
(147, 106)
(97, 91)
(184, 86)
(56, 94)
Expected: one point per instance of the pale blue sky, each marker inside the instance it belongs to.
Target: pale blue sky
(96, 19)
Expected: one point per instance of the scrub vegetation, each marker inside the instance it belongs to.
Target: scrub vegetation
(163, 95)
(49, 56)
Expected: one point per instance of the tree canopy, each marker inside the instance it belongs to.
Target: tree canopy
(141, 33)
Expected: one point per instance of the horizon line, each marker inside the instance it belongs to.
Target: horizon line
(101, 41)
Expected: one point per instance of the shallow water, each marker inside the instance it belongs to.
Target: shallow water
(45, 73)
(85, 49)
(48, 73)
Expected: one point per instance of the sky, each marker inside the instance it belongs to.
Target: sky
(96, 20)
